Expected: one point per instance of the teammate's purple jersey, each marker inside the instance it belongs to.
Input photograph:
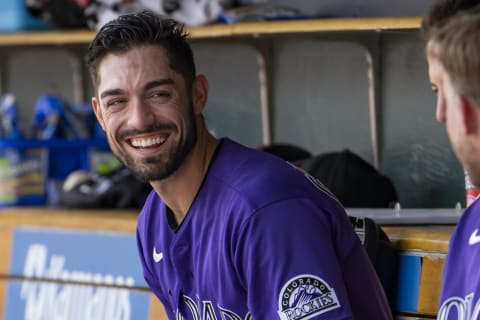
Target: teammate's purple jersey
(460, 298)
(261, 241)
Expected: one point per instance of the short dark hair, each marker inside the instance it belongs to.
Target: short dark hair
(139, 29)
(442, 10)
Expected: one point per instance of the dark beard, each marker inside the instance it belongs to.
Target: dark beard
(151, 169)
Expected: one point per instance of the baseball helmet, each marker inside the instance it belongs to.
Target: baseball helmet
(117, 189)
(354, 181)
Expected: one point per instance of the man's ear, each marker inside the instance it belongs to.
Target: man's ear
(470, 115)
(98, 113)
(199, 93)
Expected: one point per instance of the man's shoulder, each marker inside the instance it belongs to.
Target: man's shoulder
(260, 177)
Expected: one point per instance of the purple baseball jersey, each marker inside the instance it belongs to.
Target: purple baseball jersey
(262, 240)
(460, 297)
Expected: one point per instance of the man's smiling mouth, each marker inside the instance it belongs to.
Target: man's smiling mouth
(147, 142)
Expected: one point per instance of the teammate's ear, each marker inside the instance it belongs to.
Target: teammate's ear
(470, 115)
(199, 93)
(98, 113)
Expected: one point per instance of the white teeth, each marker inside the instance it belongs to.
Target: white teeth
(147, 142)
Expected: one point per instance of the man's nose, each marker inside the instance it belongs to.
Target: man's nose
(140, 114)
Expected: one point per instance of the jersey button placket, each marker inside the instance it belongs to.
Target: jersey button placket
(181, 264)
(184, 256)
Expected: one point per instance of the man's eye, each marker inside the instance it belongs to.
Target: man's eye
(159, 96)
(115, 102)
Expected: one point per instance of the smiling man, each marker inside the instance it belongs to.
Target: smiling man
(228, 232)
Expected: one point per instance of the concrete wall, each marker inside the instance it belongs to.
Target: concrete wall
(319, 97)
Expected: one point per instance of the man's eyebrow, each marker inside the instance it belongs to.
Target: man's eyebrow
(157, 83)
(111, 92)
(148, 86)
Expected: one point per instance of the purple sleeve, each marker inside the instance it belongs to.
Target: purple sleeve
(460, 294)
(292, 257)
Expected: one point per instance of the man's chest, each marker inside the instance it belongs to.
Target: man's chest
(200, 280)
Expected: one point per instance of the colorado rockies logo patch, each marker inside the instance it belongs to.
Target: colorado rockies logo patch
(304, 297)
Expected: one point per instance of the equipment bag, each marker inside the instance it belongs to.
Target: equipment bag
(381, 252)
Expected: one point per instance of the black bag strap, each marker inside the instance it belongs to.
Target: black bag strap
(368, 233)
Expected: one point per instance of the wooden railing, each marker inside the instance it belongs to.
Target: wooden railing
(244, 29)
(423, 246)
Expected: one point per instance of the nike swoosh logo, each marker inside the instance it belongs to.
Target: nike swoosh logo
(157, 256)
(474, 238)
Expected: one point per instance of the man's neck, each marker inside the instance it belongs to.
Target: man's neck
(179, 190)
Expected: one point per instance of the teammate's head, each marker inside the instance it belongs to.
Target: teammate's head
(441, 10)
(141, 29)
(454, 70)
(456, 45)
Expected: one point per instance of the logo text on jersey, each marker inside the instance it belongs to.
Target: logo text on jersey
(157, 256)
(460, 308)
(304, 297)
(207, 310)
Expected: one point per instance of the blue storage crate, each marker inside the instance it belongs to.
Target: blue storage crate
(65, 156)
(15, 17)
(31, 171)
